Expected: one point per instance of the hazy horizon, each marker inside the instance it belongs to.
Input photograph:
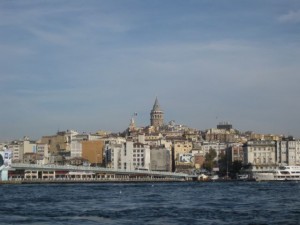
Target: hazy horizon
(89, 65)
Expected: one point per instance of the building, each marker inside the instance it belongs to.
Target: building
(261, 155)
(17, 151)
(224, 126)
(93, 151)
(28, 146)
(156, 115)
(60, 143)
(160, 159)
(219, 147)
(198, 160)
(76, 149)
(181, 147)
(221, 135)
(127, 156)
(235, 153)
(288, 152)
(42, 150)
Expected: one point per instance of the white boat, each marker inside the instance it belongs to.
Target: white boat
(284, 173)
(243, 177)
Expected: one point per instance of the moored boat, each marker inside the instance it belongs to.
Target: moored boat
(284, 173)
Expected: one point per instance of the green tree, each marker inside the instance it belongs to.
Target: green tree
(236, 167)
(211, 155)
(209, 162)
(223, 164)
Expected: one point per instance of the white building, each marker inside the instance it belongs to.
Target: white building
(42, 151)
(260, 154)
(288, 152)
(217, 146)
(76, 149)
(127, 156)
(86, 137)
(17, 151)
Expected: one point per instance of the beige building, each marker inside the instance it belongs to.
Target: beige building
(59, 143)
(93, 151)
(28, 146)
(221, 135)
(181, 147)
(260, 154)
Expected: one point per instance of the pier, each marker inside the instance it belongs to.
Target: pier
(32, 173)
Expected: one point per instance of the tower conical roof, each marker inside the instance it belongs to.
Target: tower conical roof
(156, 106)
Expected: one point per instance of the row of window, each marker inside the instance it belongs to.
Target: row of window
(184, 146)
(138, 150)
(142, 160)
(288, 176)
(266, 149)
(264, 160)
(262, 154)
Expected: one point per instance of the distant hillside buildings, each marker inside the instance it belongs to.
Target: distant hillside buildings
(160, 146)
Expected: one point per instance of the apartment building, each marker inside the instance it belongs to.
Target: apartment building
(128, 156)
(260, 154)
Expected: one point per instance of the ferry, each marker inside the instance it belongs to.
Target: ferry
(284, 173)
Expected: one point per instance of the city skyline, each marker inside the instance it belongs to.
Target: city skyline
(69, 65)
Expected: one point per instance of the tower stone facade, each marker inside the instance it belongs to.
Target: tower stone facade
(156, 115)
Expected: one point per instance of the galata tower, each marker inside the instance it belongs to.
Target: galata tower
(156, 115)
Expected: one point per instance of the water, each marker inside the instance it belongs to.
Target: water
(151, 203)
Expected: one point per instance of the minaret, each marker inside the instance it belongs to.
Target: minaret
(156, 115)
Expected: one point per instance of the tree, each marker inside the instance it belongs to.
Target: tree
(211, 155)
(209, 162)
(223, 164)
(226, 165)
(236, 167)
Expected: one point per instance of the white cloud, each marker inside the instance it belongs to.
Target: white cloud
(292, 17)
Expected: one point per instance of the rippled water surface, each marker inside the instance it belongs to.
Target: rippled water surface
(151, 203)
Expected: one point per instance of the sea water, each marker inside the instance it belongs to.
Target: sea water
(152, 203)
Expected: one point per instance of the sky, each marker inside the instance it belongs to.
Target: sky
(90, 65)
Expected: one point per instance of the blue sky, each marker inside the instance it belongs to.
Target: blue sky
(89, 65)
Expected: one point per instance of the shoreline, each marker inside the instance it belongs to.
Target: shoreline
(20, 182)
